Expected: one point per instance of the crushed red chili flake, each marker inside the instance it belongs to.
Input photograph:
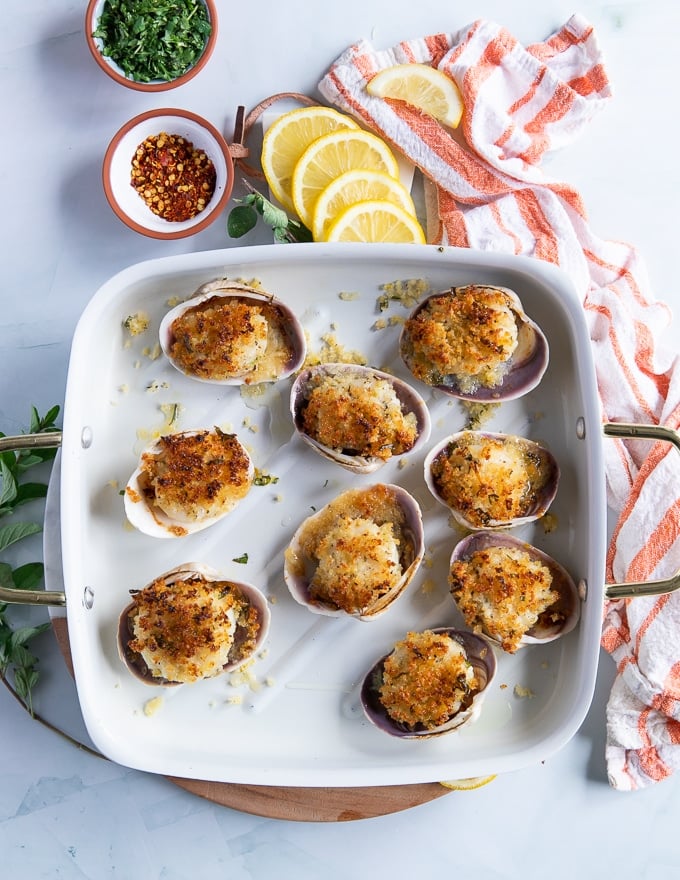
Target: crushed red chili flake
(175, 179)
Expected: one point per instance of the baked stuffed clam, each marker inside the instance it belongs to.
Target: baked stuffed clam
(492, 481)
(356, 416)
(187, 481)
(431, 683)
(232, 334)
(476, 343)
(357, 554)
(189, 624)
(512, 592)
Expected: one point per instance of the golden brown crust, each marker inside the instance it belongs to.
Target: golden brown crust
(189, 629)
(357, 414)
(488, 479)
(426, 680)
(195, 475)
(228, 337)
(469, 333)
(357, 547)
(502, 592)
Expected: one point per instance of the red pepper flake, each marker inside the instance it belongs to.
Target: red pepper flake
(175, 179)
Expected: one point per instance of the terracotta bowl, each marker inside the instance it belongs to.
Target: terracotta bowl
(92, 14)
(128, 204)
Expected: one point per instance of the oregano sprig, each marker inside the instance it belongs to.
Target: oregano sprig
(16, 659)
(244, 217)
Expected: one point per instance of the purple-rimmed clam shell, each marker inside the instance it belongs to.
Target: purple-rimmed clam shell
(244, 644)
(410, 402)
(490, 480)
(521, 371)
(276, 357)
(557, 620)
(380, 503)
(479, 653)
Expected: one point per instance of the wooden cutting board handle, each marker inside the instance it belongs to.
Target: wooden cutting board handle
(292, 803)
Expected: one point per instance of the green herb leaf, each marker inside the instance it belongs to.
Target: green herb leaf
(9, 485)
(241, 220)
(28, 576)
(243, 559)
(13, 533)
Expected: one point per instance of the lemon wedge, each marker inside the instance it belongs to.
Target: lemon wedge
(468, 784)
(356, 186)
(288, 137)
(376, 221)
(421, 86)
(331, 155)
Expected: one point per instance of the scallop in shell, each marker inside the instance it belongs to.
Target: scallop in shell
(189, 624)
(512, 592)
(430, 684)
(187, 481)
(232, 334)
(475, 343)
(356, 416)
(492, 481)
(357, 554)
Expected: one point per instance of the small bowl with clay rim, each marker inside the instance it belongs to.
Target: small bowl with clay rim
(126, 202)
(113, 70)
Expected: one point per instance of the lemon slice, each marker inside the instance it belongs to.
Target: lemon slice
(356, 186)
(376, 221)
(468, 784)
(421, 86)
(286, 140)
(330, 156)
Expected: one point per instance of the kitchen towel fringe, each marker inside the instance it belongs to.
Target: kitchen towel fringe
(486, 189)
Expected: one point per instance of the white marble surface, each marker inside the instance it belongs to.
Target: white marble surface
(64, 813)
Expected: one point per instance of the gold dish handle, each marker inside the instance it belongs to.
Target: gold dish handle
(9, 595)
(612, 591)
(643, 432)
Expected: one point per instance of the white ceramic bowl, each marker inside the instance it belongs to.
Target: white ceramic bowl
(126, 202)
(92, 14)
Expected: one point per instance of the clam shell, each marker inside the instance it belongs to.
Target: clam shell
(146, 516)
(568, 605)
(523, 370)
(285, 341)
(409, 399)
(300, 566)
(482, 658)
(182, 573)
(480, 507)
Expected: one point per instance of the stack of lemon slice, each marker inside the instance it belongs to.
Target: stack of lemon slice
(341, 181)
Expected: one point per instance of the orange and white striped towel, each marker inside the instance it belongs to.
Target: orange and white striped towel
(488, 190)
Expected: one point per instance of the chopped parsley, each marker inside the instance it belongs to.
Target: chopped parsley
(153, 39)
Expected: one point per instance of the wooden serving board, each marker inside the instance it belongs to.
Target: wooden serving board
(293, 803)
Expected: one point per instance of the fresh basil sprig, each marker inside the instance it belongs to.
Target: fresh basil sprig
(16, 659)
(244, 216)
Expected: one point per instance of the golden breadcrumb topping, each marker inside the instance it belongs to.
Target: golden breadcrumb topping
(468, 333)
(355, 550)
(502, 591)
(190, 629)
(357, 413)
(358, 561)
(490, 479)
(196, 475)
(426, 680)
(231, 337)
